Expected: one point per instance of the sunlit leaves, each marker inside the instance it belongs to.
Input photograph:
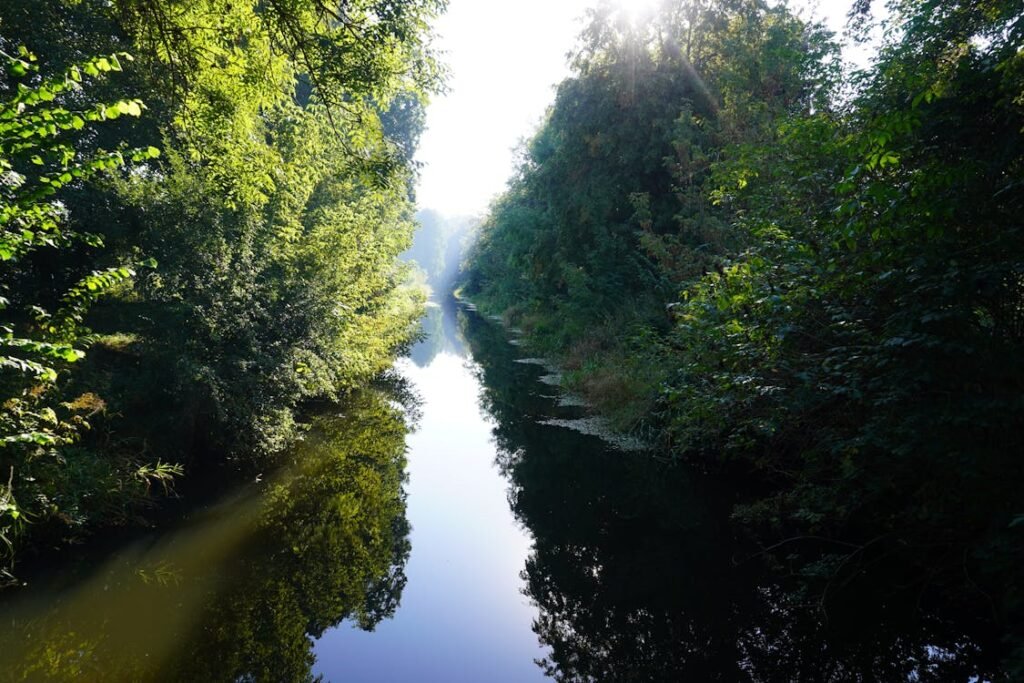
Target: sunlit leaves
(38, 158)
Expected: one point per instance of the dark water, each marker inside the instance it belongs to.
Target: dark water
(456, 538)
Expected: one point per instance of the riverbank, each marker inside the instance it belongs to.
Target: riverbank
(617, 392)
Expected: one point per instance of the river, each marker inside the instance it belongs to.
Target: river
(449, 525)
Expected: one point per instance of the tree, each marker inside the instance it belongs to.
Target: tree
(276, 213)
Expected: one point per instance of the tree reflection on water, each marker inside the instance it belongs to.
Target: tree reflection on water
(638, 573)
(240, 593)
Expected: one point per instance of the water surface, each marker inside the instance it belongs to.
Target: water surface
(447, 525)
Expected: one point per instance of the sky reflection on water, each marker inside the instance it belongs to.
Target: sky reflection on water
(463, 615)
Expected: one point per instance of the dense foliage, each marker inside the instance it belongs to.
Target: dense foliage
(609, 212)
(36, 160)
(821, 285)
(270, 224)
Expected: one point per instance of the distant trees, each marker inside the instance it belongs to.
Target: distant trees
(825, 287)
(438, 248)
(273, 216)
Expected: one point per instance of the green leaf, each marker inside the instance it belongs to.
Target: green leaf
(72, 355)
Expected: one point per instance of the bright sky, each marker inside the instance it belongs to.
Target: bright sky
(505, 58)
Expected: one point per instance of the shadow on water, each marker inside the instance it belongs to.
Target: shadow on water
(638, 575)
(240, 592)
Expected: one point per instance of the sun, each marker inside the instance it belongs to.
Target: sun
(638, 11)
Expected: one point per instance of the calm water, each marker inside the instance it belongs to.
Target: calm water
(433, 529)
(463, 615)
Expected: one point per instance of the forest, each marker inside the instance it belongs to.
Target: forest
(781, 267)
